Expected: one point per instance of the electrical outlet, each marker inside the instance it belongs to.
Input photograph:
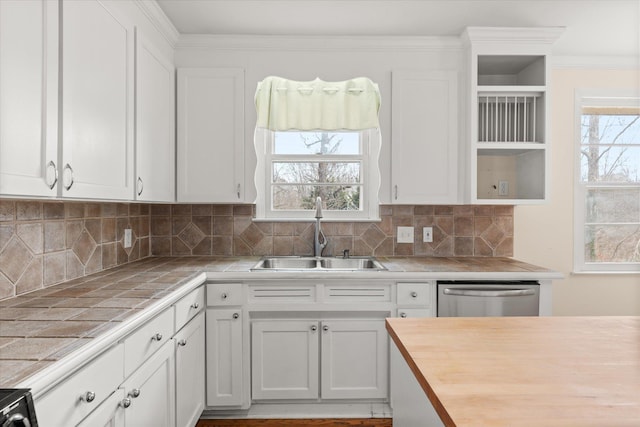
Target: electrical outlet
(427, 234)
(503, 188)
(127, 238)
(405, 234)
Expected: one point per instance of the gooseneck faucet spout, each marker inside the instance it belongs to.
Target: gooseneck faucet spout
(320, 241)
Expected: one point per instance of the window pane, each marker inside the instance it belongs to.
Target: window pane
(612, 243)
(613, 205)
(324, 143)
(303, 197)
(610, 129)
(609, 163)
(316, 172)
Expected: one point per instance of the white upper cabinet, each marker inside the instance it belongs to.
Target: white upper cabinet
(210, 165)
(509, 114)
(28, 97)
(424, 137)
(97, 101)
(155, 123)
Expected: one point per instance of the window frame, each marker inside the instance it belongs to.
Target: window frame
(369, 178)
(596, 98)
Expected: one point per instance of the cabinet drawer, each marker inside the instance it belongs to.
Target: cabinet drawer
(281, 293)
(357, 292)
(188, 307)
(418, 294)
(145, 341)
(224, 294)
(415, 312)
(70, 402)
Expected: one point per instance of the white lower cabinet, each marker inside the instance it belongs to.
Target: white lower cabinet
(310, 359)
(190, 356)
(284, 359)
(225, 367)
(151, 390)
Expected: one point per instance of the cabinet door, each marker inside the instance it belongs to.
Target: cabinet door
(225, 376)
(151, 389)
(284, 359)
(109, 414)
(354, 359)
(155, 119)
(210, 166)
(190, 372)
(28, 97)
(97, 101)
(424, 137)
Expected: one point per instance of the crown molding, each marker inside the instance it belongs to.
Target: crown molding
(537, 35)
(317, 43)
(596, 62)
(159, 19)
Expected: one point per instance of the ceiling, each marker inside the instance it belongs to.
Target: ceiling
(593, 27)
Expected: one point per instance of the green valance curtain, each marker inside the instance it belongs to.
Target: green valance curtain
(284, 104)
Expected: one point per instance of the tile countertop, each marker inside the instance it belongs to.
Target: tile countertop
(42, 327)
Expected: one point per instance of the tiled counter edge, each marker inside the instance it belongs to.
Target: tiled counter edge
(49, 377)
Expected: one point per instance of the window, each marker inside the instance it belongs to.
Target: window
(317, 139)
(607, 204)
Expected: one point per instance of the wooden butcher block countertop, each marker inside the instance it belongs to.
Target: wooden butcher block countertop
(526, 371)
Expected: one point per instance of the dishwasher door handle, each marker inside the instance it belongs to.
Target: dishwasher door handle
(489, 292)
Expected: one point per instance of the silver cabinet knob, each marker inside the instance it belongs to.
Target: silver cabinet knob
(414, 294)
(156, 337)
(134, 393)
(403, 315)
(182, 343)
(88, 396)
(126, 402)
(314, 328)
(195, 305)
(224, 295)
(51, 182)
(325, 328)
(235, 315)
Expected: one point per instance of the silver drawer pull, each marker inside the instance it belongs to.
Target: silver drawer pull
(325, 328)
(156, 337)
(68, 167)
(414, 294)
(140, 186)
(134, 393)
(88, 397)
(489, 292)
(235, 315)
(224, 295)
(314, 328)
(403, 315)
(195, 305)
(126, 402)
(182, 343)
(52, 165)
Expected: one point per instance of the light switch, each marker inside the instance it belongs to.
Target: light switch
(405, 234)
(427, 234)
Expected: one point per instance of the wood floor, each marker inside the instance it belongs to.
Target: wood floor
(364, 422)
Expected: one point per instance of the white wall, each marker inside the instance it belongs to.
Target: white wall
(544, 234)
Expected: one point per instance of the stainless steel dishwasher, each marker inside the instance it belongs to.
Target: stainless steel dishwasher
(481, 298)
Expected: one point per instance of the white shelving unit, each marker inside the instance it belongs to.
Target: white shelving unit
(509, 114)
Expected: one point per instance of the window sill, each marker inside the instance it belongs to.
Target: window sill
(605, 272)
(324, 220)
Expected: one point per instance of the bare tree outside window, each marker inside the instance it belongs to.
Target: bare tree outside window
(610, 171)
(317, 164)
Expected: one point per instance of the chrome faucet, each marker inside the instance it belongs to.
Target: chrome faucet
(320, 241)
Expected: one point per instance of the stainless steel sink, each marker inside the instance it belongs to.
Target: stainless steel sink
(318, 264)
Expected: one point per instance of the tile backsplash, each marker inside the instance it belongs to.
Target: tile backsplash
(458, 230)
(43, 243)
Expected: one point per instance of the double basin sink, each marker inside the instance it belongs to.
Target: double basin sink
(295, 263)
